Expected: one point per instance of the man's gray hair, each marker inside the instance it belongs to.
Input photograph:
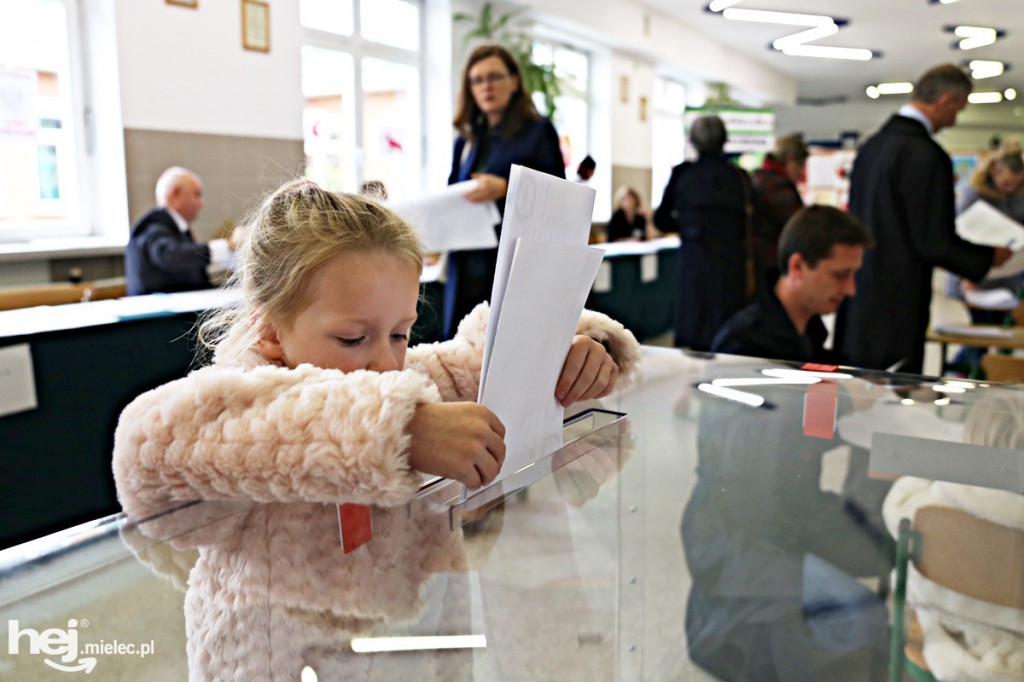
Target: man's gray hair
(170, 179)
(939, 80)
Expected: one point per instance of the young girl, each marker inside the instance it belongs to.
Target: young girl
(314, 399)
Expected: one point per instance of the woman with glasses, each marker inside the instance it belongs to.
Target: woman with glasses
(498, 125)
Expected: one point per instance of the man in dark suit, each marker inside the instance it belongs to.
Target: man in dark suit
(902, 190)
(162, 255)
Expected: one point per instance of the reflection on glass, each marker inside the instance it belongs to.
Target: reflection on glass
(390, 22)
(328, 118)
(334, 16)
(391, 126)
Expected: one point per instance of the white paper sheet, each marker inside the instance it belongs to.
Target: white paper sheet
(991, 299)
(446, 221)
(982, 223)
(538, 207)
(545, 271)
(536, 326)
(17, 380)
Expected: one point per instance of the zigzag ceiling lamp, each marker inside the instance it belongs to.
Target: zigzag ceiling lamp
(797, 44)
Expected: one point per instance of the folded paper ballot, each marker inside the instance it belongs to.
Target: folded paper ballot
(544, 273)
(446, 221)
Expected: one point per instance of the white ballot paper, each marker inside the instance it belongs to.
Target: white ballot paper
(446, 221)
(984, 224)
(545, 270)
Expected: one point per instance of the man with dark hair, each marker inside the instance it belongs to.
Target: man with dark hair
(820, 250)
(902, 189)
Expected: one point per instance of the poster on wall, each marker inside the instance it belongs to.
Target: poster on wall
(750, 131)
(18, 89)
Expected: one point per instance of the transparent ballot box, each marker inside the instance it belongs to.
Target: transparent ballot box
(748, 520)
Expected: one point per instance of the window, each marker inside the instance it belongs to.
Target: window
(361, 80)
(669, 110)
(572, 111)
(39, 156)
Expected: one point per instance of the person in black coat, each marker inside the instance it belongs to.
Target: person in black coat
(820, 250)
(902, 188)
(498, 126)
(705, 201)
(162, 256)
(628, 222)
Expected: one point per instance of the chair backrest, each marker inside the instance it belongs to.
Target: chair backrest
(972, 556)
(1005, 368)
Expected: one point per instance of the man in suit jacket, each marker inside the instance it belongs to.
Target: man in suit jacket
(162, 255)
(901, 188)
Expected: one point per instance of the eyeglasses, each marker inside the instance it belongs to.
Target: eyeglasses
(477, 81)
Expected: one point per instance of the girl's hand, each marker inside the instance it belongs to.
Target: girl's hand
(488, 188)
(589, 372)
(461, 441)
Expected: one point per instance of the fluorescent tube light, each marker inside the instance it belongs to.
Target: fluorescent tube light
(985, 97)
(946, 388)
(975, 36)
(769, 17)
(1009, 94)
(370, 645)
(751, 399)
(815, 33)
(719, 5)
(872, 91)
(854, 53)
(895, 88)
(985, 68)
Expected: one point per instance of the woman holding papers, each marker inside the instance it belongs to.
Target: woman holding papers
(315, 413)
(498, 126)
(999, 181)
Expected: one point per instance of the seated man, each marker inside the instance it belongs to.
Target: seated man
(820, 249)
(162, 255)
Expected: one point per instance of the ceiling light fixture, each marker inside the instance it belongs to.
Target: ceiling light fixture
(1009, 94)
(901, 88)
(796, 44)
(974, 36)
(985, 68)
(985, 97)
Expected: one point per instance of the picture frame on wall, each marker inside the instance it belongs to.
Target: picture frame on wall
(192, 4)
(256, 25)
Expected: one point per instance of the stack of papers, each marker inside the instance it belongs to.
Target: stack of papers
(544, 273)
(974, 330)
(984, 224)
(991, 299)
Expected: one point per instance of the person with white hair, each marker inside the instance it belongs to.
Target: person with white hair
(162, 254)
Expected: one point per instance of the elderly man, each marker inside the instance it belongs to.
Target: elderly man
(162, 255)
(902, 189)
(820, 250)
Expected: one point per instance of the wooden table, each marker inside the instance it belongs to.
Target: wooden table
(976, 336)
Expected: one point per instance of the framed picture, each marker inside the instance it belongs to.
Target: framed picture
(256, 25)
(184, 3)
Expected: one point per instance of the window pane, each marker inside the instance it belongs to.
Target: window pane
(328, 118)
(391, 126)
(668, 131)
(333, 16)
(37, 127)
(391, 22)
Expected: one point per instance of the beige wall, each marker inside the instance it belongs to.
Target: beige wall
(236, 171)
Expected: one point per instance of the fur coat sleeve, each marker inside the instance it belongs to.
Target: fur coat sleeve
(269, 434)
(455, 365)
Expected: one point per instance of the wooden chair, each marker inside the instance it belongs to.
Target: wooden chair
(1004, 368)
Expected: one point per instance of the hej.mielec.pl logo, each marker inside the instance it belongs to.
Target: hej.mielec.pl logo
(62, 644)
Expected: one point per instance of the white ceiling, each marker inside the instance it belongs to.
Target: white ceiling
(908, 33)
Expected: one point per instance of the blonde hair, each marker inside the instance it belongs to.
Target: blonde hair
(295, 231)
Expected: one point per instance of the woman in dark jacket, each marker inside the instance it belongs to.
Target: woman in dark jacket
(498, 126)
(706, 202)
